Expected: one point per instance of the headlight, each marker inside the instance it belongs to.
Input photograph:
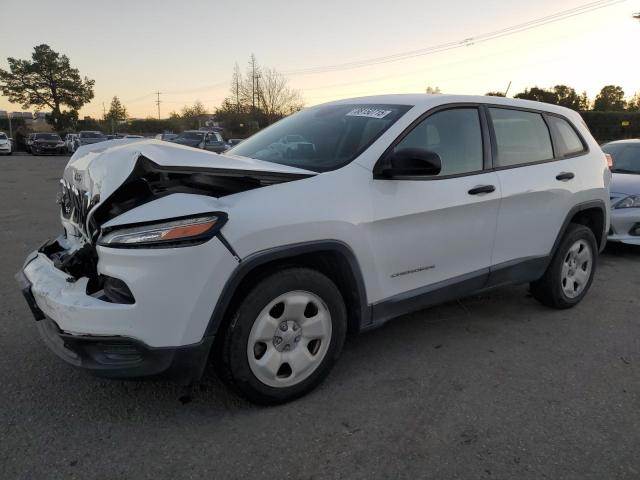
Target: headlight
(169, 233)
(60, 144)
(632, 201)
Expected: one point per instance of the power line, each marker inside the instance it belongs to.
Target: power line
(466, 42)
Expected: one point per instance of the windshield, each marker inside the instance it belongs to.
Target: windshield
(626, 157)
(91, 135)
(47, 136)
(190, 136)
(321, 138)
(3, 136)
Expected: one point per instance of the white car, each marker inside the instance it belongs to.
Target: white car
(5, 144)
(171, 255)
(70, 142)
(625, 191)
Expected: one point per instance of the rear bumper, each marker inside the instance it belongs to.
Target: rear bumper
(118, 356)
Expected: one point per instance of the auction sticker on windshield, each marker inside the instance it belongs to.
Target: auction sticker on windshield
(368, 112)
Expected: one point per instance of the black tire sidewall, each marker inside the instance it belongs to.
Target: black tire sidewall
(237, 335)
(575, 233)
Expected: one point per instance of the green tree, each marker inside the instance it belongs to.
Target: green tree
(195, 110)
(568, 97)
(191, 116)
(117, 114)
(610, 99)
(47, 81)
(539, 95)
(634, 104)
(494, 94)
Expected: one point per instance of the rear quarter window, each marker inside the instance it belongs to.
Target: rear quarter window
(567, 142)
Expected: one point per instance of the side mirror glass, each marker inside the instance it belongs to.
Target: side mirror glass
(412, 162)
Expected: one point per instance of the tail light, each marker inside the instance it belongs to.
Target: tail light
(609, 160)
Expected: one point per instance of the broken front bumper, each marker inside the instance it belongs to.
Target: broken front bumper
(119, 357)
(162, 331)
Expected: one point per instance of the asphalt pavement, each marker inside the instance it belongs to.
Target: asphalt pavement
(493, 386)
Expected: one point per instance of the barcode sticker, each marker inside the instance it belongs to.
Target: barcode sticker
(368, 112)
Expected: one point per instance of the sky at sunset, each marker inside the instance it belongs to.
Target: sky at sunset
(187, 49)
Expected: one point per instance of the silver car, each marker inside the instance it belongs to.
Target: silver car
(625, 191)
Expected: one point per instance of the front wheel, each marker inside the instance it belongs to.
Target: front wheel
(570, 273)
(284, 337)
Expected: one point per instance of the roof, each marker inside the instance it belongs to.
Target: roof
(426, 100)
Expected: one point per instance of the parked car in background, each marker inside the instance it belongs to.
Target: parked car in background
(47, 143)
(118, 136)
(166, 136)
(265, 262)
(625, 191)
(70, 142)
(88, 137)
(203, 139)
(215, 143)
(191, 138)
(29, 141)
(6, 147)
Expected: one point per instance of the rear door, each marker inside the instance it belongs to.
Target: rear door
(537, 157)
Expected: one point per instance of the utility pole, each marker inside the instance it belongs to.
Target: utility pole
(158, 103)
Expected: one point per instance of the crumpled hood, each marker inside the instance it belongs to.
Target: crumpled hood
(99, 169)
(625, 184)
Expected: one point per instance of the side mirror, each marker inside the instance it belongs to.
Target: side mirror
(411, 162)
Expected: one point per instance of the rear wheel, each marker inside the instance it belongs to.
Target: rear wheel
(570, 273)
(284, 337)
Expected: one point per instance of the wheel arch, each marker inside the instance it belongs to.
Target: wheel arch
(333, 258)
(592, 215)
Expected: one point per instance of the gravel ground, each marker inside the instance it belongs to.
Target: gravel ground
(495, 386)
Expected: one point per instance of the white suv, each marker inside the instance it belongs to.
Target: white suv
(263, 259)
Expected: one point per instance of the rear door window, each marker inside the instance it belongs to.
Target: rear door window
(521, 137)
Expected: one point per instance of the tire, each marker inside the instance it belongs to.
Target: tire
(256, 351)
(571, 271)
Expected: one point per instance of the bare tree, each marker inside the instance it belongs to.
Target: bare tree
(236, 87)
(249, 91)
(277, 99)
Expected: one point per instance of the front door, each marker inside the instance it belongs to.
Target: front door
(436, 231)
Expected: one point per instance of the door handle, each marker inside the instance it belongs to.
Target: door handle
(482, 189)
(565, 176)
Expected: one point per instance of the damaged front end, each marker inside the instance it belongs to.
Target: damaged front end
(85, 209)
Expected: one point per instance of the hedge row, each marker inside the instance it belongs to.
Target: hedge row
(607, 126)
